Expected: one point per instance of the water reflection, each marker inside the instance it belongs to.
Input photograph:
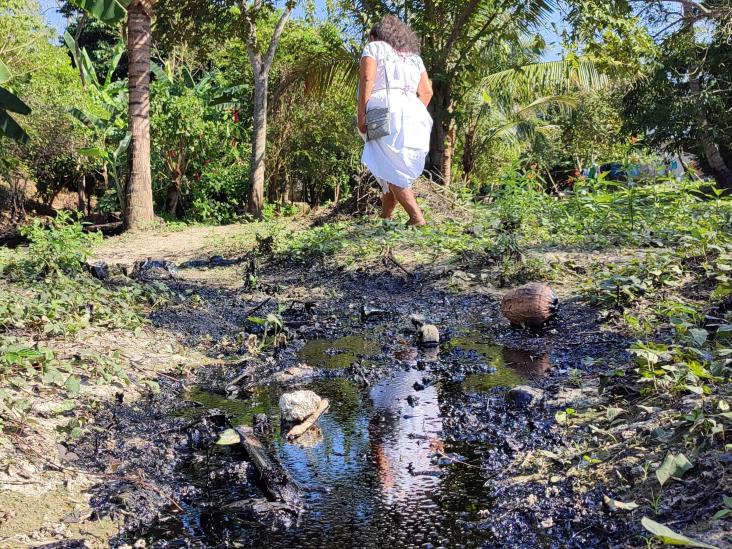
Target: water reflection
(403, 435)
(373, 471)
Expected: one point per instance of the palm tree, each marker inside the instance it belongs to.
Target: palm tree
(512, 102)
(139, 199)
(138, 13)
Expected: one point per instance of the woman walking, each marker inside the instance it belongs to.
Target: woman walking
(393, 77)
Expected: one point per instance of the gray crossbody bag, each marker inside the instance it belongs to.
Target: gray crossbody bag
(378, 121)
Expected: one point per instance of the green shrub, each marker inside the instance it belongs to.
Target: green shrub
(221, 194)
(61, 247)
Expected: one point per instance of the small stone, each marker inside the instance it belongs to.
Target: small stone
(415, 322)
(298, 405)
(524, 397)
(412, 400)
(369, 312)
(294, 373)
(429, 335)
(547, 523)
(99, 270)
(154, 269)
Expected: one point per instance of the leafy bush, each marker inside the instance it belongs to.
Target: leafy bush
(221, 194)
(61, 247)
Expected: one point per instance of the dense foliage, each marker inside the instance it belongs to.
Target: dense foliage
(502, 108)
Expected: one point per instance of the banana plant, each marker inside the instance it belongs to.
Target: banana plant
(109, 12)
(10, 103)
(110, 129)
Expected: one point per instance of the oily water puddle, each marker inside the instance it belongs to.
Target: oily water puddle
(376, 470)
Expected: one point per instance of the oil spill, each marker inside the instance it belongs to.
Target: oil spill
(508, 367)
(337, 353)
(379, 469)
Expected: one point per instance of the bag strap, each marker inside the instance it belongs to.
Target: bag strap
(388, 88)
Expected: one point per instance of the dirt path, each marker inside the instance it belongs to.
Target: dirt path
(175, 245)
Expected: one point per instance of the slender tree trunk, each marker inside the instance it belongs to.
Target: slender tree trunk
(139, 200)
(259, 144)
(469, 154)
(260, 69)
(722, 172)
(81, 191)
(173, 195)
(440, 150)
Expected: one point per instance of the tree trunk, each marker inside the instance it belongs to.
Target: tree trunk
(259, 144)
(260, 69)
(469, 154)
(81, 191)
(173, 194)
(440, 151)
(139, 200)
(722, 172)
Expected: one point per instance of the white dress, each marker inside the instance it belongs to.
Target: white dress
(398, 158)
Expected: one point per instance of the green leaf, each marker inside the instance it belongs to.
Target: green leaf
(10, 128)
(675, 465)
(65, 406)
(154, 386)
(93, 152)
(88, 119)
(4, 73)
(52, 376)
(11, 103)
(228, 438)
(73, 385)
(721, 514)
(106, 11)
(668, 536)
(699, 336)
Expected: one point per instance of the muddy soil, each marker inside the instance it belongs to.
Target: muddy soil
(422, 447)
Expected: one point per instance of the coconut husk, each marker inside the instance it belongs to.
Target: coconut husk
(531, 305)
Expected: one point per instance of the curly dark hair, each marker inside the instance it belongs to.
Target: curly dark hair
(395, 33)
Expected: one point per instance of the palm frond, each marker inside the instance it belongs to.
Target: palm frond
(516, 124)
(553, 77)
(336, 69)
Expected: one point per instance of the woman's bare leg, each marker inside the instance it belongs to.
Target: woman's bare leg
(405, 197)
(388, 203)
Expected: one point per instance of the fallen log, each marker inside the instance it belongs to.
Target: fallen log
(277, 482)
(301, 428)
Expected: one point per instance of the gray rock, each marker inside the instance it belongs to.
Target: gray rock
(99, 270)
(524, 397)
(369, 312)
(414, 323)
(429, 335)
(154, 269)
(298, 405)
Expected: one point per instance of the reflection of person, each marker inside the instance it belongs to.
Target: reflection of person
(402, 436)
(391, 60)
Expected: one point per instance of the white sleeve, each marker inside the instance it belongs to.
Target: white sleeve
(371, 50)
(422, 68)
